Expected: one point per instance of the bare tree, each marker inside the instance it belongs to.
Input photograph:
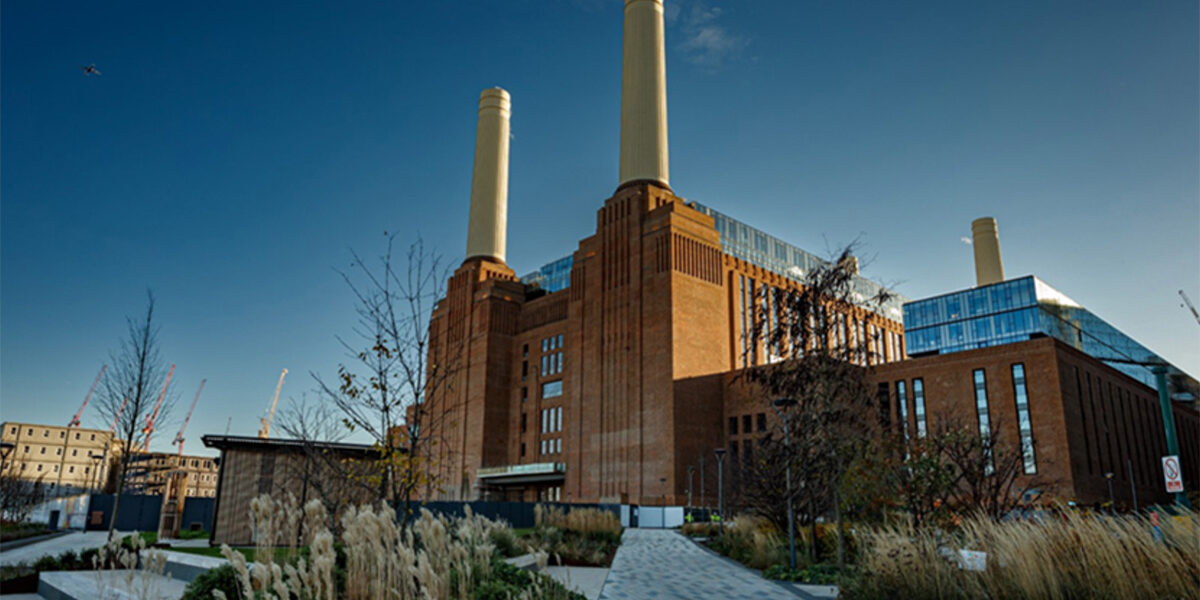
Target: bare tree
(382, 391)
(130, 391)
(331, 477)
(815, 340)
(18, 495)
(988, 469)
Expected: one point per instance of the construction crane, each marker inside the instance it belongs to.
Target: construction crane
(117, 417)
(265, 431)
(1190, 306)
(75, 420)
(179, 436)
(149, 428)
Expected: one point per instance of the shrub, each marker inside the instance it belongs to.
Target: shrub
(700, 529)
(47, 563)
(222, 578)
(583, 536)
(506, 542)
(752, 541)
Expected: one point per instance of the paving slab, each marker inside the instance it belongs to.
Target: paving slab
(662, 564)
(111, 585)
(77, 541)
(588, 581)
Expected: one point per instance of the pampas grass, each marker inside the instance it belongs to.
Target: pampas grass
(1062, 557)
(434, 558)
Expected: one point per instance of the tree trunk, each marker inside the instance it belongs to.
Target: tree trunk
(841, 545)
(813, 553)
(112, 520)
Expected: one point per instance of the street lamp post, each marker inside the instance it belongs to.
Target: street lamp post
(781, 406)
(720, 452)
(691, 471)
(96, 461)
(1111, 505)
(703, 500)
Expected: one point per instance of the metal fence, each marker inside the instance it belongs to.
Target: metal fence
(516, 514)
(140, 512)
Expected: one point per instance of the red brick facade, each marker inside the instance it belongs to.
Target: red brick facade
(650, 325)
(1087, 418)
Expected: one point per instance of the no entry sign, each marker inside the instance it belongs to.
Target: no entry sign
(1172, 474)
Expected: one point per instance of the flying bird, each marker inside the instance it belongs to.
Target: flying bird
(91, 70)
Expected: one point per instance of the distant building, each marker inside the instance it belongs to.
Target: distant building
(65, 460)
(150, 471)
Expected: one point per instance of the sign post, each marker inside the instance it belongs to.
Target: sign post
(1172, 474)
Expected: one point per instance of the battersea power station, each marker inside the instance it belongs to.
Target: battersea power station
(605, 375)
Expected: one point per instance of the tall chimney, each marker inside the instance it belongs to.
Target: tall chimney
(489, 180)
(985, 239)
(644, 95)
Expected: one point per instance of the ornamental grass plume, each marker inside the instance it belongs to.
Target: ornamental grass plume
(434, 558)
(1065, 555)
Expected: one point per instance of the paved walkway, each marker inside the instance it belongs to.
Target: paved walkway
(660, 563)
(76, 540)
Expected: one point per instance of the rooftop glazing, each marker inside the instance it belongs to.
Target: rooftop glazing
(1019, 309)
(745, 242)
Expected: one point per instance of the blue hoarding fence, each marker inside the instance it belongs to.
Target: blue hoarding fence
(140, 512)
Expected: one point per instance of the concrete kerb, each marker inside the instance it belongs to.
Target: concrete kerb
(781, 584)
(13, 545)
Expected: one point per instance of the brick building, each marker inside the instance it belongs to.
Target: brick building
(605, 375)
(65, 460)
(599, 378)
(1073, 417)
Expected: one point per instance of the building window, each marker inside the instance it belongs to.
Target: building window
(919, 405)
(39, 467)
(525, 350)
(74, 453)
(524, 394)
(76, 435)
(43, 450)
(902, 408)
(523, 422)
(552, 389)
(981, 409)
(1025, 425)
(762, 422)
(543, 447)
(93, 437)
(71, 470)
(524, 369)
(746, 423)
(732, 425)
(522, 449)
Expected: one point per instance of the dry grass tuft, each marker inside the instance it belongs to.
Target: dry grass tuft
(1069, 556)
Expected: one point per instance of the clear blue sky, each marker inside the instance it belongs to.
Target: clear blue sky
(230, 155)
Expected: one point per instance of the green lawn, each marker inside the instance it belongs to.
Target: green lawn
(280, 553)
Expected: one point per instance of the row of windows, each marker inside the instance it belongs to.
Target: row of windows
(918, 396)
(1122, 431)
(760, 421)
(1024, 421)
(870, 344)
(552, 364)
(46, 433)
(553, 446)
(552, 420)
(70, 468)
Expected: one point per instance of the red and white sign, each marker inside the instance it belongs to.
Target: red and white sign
(1172, 474)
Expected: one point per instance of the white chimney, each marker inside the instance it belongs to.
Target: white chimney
(986, 241)
(644, 95)
(489, 181)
